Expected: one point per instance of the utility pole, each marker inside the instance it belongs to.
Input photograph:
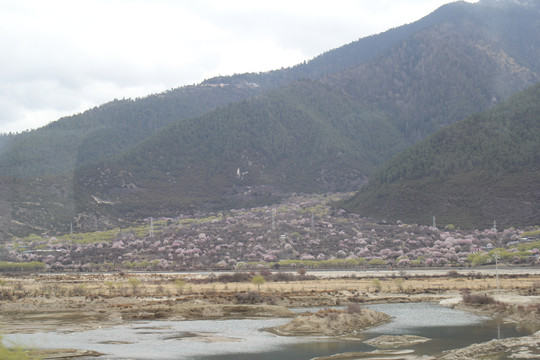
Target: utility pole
(434, 223)
(274, 236)
(151, 227)
(496, 257)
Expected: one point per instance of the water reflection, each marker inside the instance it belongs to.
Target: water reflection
(414, 315)
(448, 328)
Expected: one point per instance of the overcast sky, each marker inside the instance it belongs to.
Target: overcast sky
(61, 57)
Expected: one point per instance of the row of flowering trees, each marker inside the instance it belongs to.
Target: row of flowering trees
(302, 230)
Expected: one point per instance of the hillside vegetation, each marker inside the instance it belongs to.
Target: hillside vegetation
(113, 127)
(303, 138)
(302, 231)
(478, 170)
(318, 135)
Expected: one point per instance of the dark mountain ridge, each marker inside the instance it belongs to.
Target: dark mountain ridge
(469, 174)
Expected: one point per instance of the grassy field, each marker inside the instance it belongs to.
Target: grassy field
(174, 285)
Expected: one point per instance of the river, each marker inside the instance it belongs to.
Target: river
(246, 340)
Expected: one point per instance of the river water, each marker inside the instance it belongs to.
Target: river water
(246, 340)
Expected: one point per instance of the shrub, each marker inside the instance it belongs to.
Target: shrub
(376, 283)
(266, 273)
(79, 290)
(251, 297)
(134, 282)
(236, 277)
(282, 276)
(353, 308)
(474, 275)
(179, 283)
(376, 262)
(535, 308)
(477, 299)
(23, 266)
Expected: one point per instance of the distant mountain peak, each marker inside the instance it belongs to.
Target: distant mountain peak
(511, 3)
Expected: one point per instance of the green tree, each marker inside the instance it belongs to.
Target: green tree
(134, 282)
(258, 280)
(478, 258)
(179, 283)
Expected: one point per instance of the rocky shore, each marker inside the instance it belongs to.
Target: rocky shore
(526, 347)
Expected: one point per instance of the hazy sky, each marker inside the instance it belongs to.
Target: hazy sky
(61, 57)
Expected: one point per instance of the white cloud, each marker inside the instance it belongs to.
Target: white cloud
(61, 57)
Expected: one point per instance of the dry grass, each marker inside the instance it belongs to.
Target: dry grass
(94, 300)
(167, 285)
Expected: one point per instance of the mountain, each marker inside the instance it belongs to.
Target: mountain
(104, 131)
(469, 174)
(37, 167)
(247, 139)
(318, 135)
(305, 137)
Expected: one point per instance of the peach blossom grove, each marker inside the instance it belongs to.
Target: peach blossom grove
(302, 231)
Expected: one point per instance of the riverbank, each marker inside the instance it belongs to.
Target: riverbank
(526, 347)
(85, 301)
(77, 302)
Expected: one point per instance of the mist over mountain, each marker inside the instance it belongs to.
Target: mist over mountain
(248, 139)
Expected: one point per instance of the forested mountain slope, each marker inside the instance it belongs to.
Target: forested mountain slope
(316, 135)
(305, 137)
(247, 139)
(469, 174)
(37, 167)
(104, 131)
